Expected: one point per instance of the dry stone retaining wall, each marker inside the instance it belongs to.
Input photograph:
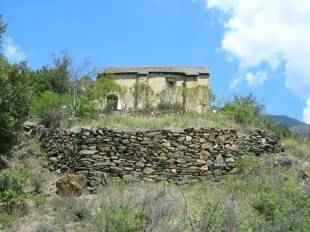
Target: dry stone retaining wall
(161, 155)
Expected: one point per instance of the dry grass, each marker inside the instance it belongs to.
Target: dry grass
(240, 202)
(298, 148)
(167, 121)
(262, 196)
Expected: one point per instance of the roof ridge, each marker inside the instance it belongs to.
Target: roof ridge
(187, 70)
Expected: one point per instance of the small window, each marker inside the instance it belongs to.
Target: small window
(171, 82)
(112, 102)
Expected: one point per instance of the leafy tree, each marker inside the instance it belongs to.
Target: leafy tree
(50, 107)
(247, 111)
(14, 101)
(48, 101)
(2, 27)
(244, 110)
(55, 78)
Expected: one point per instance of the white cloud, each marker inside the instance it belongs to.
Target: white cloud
(269, 32)
(307, 112)
(256, 79)
(235, 83)
(253, 79)
(12, 51)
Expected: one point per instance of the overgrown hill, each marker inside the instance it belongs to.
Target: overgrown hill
(296, 126)
(266, 193)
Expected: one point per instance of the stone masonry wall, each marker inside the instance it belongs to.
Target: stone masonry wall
(161, 155)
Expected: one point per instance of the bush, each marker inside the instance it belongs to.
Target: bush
(45, 228)
(138, 207)
(120, 219)
(247, 111)
(71, 209)
(14, 102)
(50, 107)
(244, 110)
(100, 90)
(118, 212)
(48, 101)
(55, 78)
(283, 206)
(85, 108)
(11, 188)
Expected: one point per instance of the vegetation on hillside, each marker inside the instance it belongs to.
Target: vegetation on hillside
(265, 194)
(268, 193)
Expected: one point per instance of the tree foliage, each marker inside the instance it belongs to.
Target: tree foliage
(247, 111)
(2, 27)
(14, 97)
(14, 101)
(55, 78)
(244, 110)
(48, 101)
(101, 89)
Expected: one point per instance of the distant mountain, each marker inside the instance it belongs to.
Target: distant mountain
(293, 124)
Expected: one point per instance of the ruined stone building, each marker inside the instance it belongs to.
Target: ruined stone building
(184, 88)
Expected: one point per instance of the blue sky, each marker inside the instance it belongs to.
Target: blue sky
(168, 32)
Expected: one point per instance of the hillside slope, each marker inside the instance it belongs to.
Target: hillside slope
(263, 193)
(294, 125)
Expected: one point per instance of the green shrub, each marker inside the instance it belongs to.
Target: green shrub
(87, 108)
(138, 207)
(11, 188)
(244, 110)
(71, 210)
(45, 228)
(247, 111)
(98, 92)
(55, 78)
(14, 102)
(48, 101)
(284, 207)
(81, 107)
(50, 107)
(120, 219)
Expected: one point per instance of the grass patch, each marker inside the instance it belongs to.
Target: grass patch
(166, 121)
(297, 147)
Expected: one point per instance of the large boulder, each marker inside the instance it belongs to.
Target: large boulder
(4, 164)
(71, 185)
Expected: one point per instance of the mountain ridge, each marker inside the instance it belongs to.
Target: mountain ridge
(296, 126)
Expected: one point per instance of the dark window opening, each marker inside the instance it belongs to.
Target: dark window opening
(171, 82)
(112, 102)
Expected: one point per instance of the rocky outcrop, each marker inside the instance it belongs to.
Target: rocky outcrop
(71, 185)
(161, 155)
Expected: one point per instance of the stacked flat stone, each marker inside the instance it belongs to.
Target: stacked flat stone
(181, 157)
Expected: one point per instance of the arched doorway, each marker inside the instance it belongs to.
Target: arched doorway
(112, 102)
